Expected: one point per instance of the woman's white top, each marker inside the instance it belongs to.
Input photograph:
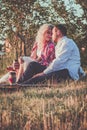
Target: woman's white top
(27, 60)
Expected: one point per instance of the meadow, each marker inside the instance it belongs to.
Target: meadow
(60, 106)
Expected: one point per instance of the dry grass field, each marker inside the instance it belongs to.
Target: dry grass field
(50, 107)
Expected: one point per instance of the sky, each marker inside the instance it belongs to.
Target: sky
(70, 4)
(1, 42)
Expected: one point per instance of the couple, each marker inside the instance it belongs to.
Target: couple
(65, 64)
(47, 61)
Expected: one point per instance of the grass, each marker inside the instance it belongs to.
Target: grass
(55, 107)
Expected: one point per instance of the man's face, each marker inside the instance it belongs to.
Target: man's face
(55, 34)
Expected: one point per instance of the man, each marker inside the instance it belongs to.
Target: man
(67, 59)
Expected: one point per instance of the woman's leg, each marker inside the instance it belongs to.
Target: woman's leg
(32, 69)
(23, 63)
(20, 72)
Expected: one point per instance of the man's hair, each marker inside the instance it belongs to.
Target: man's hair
(51, 26)
(62, 28)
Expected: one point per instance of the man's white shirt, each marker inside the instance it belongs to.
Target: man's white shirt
(67, 57)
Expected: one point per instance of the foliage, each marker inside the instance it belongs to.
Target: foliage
(0, 47)
(21, 19)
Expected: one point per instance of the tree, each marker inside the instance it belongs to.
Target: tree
(22, 19)
(0, 47)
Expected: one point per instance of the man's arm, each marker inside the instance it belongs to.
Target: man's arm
(62, 56)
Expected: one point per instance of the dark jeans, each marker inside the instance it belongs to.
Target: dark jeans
(57, 75)
(32, 69)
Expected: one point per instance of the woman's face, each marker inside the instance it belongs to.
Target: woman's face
(48, 35)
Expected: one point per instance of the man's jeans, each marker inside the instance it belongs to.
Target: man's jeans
(57, 75)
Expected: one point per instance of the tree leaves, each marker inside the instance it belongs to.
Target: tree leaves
(27, 15)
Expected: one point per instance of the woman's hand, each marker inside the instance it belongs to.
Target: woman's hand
(38, 59)
(20, 60)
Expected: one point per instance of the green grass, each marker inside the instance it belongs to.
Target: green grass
(55, 107)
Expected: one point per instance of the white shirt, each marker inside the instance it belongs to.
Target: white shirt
(67, 57)
(27, 60)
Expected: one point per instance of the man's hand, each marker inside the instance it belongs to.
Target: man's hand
(39, 74)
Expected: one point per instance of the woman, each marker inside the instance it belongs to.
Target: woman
(43, 52)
